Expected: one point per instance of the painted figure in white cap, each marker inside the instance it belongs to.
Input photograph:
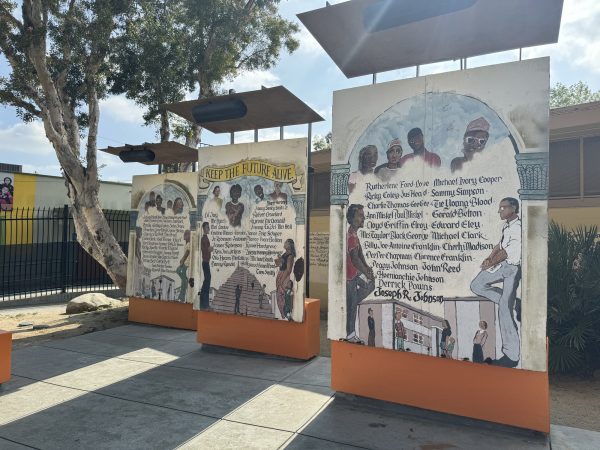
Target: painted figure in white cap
(474, 140)
(394, 154)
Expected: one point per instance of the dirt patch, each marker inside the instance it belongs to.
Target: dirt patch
(575, 402)
(60, 325)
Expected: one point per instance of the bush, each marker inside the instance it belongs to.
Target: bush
(574, 300)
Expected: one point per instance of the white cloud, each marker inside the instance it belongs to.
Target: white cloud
(120, 108)
(579, 34)
(252, 81)
(268, 134)
(27, 138)
(308, 44)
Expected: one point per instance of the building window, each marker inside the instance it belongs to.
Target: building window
(418, 318)
(565, 168)
(573, 168)
(418, 338)
(591, 160)
(320, 184)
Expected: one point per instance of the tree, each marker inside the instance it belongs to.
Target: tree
(65, 55)
(174, 46)
(562, 95)
(321, 143)
(58, 56)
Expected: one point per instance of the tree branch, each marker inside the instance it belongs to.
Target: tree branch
(6, 16)
(20, 103)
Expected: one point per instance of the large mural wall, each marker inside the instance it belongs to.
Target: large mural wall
(163, 238)
(438, 217)
(252, 203)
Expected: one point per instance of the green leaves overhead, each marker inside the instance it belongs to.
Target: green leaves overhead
(170, 48)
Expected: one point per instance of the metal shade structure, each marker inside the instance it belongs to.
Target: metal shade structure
(265, 108)
(370, 36)
(164, 153)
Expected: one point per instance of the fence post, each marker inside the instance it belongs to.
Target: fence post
(65, 249)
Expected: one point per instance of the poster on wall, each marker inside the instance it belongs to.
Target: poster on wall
(252, 199)
(438, 214)
(161, 264)
(7, 191)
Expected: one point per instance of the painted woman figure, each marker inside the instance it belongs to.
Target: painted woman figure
(446, 333)
(178, 206)
(289, 300)
(285, 262)
(479, 341)
(234, 209)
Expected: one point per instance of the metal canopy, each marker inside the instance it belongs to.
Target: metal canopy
(267, 108)
(370, 36)
(166, 152)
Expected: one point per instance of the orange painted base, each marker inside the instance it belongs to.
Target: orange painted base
(166, 314)
(276, 337)
(5, 351)
(508, 396)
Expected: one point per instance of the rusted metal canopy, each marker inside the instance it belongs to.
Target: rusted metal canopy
(266, 108)
(369, 36)
(165, 152)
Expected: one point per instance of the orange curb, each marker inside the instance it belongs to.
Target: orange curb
(276, 337)
(163, 313)
(508, 396)
(5, 351)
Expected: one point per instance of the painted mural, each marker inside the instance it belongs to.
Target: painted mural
(252, 200)
(7, 191)
(432, 241)
(162, 251)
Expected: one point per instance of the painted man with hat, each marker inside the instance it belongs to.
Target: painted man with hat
(416, 142)
(474, 140)
(386, 171)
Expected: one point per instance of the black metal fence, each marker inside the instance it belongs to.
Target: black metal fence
(40, 255)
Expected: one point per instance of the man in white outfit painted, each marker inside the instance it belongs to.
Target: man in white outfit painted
(503, 265)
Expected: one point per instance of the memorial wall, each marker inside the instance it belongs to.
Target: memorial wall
(163, 240)
(438, 216)
(252, 199)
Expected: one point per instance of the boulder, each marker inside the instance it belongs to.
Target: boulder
(91, 302)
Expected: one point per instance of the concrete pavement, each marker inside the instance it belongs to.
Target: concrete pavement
(143, 387)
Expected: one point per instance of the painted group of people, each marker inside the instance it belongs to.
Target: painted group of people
(234, 208)
(154, 205)
(474, 141)
(7, 192)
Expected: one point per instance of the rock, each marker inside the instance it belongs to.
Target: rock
(41, 326)
(90, 302)
(25, 324)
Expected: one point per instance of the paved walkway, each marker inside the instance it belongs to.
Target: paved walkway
(141, 387)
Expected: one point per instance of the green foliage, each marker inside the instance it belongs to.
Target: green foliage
(172, 47)
(321, 143)
(562, 95)
(77, 37)
(574, 300)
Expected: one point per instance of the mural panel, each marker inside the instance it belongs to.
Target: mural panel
(252, 244)
(432, 192)
(7, 191)
(162, 253)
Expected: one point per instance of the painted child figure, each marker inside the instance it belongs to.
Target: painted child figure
(289, 300)
(450, 347)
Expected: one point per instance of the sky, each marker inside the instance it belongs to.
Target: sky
(308, 73)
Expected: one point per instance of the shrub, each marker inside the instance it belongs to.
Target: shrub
(574, 300)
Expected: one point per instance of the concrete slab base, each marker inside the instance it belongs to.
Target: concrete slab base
(143, 387)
